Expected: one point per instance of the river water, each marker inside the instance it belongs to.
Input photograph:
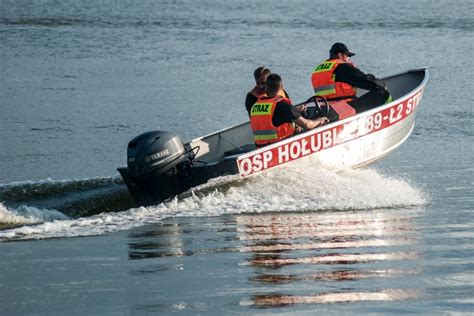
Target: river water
(78, 80)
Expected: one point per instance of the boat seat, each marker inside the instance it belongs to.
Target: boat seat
(243, 149)
(340, 110)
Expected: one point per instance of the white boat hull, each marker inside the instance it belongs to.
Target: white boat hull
(349, 143)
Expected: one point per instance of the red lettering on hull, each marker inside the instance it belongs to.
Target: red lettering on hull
(295, 148)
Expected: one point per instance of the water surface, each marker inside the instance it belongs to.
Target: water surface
(79, 80)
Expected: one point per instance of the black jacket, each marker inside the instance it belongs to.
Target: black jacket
(350, 74)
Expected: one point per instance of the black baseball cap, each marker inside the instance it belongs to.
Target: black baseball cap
(340, 48)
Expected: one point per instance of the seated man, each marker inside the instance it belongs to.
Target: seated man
(337, 79)
(273, 118)
(260, 74)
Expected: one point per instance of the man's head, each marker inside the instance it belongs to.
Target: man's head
(273, 85)
(260, 74)
(340, 51)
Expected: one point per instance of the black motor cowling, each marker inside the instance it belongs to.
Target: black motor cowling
(155, 153)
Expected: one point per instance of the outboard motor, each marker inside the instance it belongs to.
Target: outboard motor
(157, 167)
(155, 153)
(160, 167)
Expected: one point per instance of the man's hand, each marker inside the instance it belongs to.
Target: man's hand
(322, 120)
(381, 84)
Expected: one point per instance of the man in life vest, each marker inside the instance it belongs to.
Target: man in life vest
(260, 74)
(337, 79)
(273, 117)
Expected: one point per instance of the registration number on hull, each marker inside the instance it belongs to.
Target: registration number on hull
(294, 149)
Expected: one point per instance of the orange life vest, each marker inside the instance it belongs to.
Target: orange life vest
(261, 115)
(324, 81)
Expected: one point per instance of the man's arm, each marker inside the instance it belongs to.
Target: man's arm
(287, 113)
(310, 124)
(249, 102)
(353, 76)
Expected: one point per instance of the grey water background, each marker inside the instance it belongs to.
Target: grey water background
(78, 80)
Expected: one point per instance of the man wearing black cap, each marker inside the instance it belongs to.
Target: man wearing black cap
(337, 79)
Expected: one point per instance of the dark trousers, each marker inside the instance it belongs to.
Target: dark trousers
(370, 100)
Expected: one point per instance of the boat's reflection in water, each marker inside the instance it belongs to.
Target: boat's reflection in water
(156, 241)
(281, 259)
(305, 253)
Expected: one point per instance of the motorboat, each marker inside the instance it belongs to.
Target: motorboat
(160, 166)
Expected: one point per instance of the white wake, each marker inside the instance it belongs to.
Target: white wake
(279, 190)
